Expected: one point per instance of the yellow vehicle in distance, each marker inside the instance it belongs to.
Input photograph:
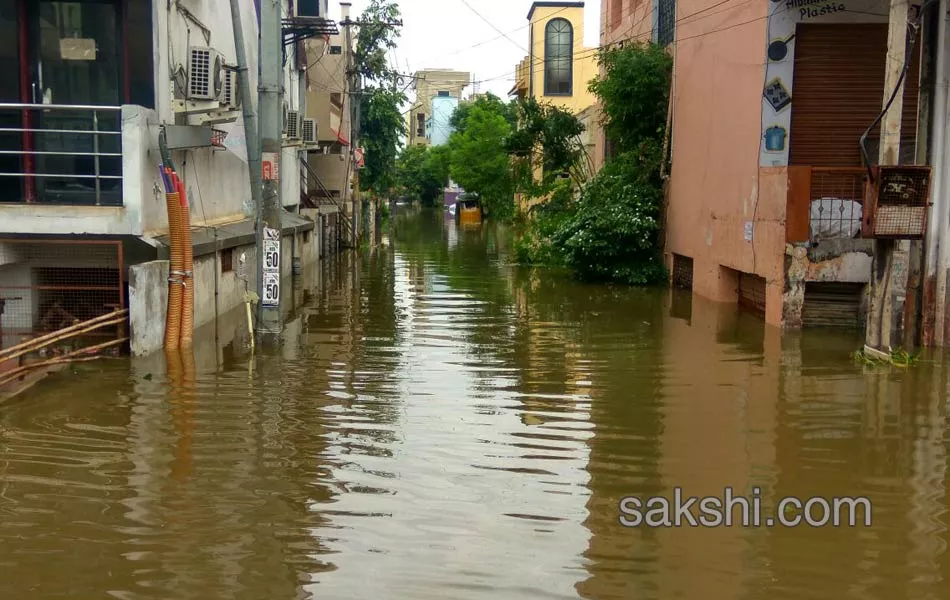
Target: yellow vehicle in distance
(468, 210)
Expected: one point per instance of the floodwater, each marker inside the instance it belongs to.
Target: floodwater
(439, 424)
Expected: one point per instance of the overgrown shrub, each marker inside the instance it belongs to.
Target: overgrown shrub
(613, 230)
(610, 232)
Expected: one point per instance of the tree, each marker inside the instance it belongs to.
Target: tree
(479, 157)
(382, 126)
(381, 123)
(634, 92)
(547, 136)
(423, 172)
(610, 231)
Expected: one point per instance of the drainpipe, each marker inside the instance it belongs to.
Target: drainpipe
(935, 259)
(248, 108)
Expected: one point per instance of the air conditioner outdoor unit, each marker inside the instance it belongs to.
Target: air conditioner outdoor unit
(205, 74)
(312, 9)
(231, 92)
(309, 131)
(293, 125)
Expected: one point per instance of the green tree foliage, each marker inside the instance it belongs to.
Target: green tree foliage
(610, 231)
(479, 159)
(377, 36)
(423, 172)
(548, 136)
(382, 126)
(634, 92)
(381, 123)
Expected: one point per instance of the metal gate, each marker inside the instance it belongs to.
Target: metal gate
(47, 285)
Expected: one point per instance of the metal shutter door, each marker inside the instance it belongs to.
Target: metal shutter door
(838, 90)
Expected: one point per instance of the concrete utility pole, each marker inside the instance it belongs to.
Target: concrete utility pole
(937, 243)
(271, 126)
(891, 258)
(354, 87)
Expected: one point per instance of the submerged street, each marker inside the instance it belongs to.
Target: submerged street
(442, 424)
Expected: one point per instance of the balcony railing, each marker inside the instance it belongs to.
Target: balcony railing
(824, 203)
(61, 154)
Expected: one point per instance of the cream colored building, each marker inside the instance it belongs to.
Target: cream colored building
(559, 67)
(429, 84)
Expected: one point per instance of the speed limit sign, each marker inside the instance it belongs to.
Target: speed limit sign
(271, 289)
(272, 256)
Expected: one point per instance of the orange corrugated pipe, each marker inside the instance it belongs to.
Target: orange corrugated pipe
(176, 266)
(188, 279)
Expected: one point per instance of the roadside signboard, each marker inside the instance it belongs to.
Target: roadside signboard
(270, 166)
(270, 269)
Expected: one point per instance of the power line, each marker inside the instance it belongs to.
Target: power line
(492, 25)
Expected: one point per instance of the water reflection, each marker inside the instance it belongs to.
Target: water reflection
(440, 424)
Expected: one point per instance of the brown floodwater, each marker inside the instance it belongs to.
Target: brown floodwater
(439, 424)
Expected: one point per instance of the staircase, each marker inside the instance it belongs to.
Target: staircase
(313, 201)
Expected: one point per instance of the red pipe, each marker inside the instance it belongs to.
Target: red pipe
(26, 118)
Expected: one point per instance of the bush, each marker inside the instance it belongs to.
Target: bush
(613, 232)
(536, 244)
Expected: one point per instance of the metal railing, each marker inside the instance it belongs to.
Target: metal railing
(836, 202)
(61, 154)
(326, 193)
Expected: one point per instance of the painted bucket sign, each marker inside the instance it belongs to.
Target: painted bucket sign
(775, 139)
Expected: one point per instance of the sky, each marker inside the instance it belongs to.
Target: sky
(447, 34)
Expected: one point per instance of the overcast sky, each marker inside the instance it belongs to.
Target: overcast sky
(447, 34)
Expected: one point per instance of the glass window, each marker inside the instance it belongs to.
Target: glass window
(559, 58)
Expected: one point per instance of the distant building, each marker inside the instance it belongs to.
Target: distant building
(440, 124)
(437, 91)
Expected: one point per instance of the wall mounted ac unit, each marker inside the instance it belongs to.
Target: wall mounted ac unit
(231, 92)
(205, 74)
(309, 131)
(293, 125)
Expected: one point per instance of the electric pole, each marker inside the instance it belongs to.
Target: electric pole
(271, 126)
(354, 87)
(889, 268)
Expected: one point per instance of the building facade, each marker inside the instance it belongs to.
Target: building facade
(329, 176)
(432, 86)
(766, 191)
(559, 67)
(88, 91)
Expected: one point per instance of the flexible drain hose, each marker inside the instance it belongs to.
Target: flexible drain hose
(176, 267)
(188, 266)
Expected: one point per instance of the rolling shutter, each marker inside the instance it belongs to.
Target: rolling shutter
(833, 305)
(838, 90)
(752, 292)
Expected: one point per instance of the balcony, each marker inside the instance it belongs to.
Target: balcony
(71, 170)
(826, 206)
(61, 154)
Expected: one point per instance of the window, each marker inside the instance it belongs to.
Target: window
(336, 49)
(227, 260)
(443, 94)
(336, 99)
(558, 58)
(421, 125)
(616, 13)
(665, 21)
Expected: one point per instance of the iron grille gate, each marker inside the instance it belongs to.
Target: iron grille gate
(46, 285)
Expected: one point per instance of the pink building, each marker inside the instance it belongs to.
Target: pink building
(766, 191)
